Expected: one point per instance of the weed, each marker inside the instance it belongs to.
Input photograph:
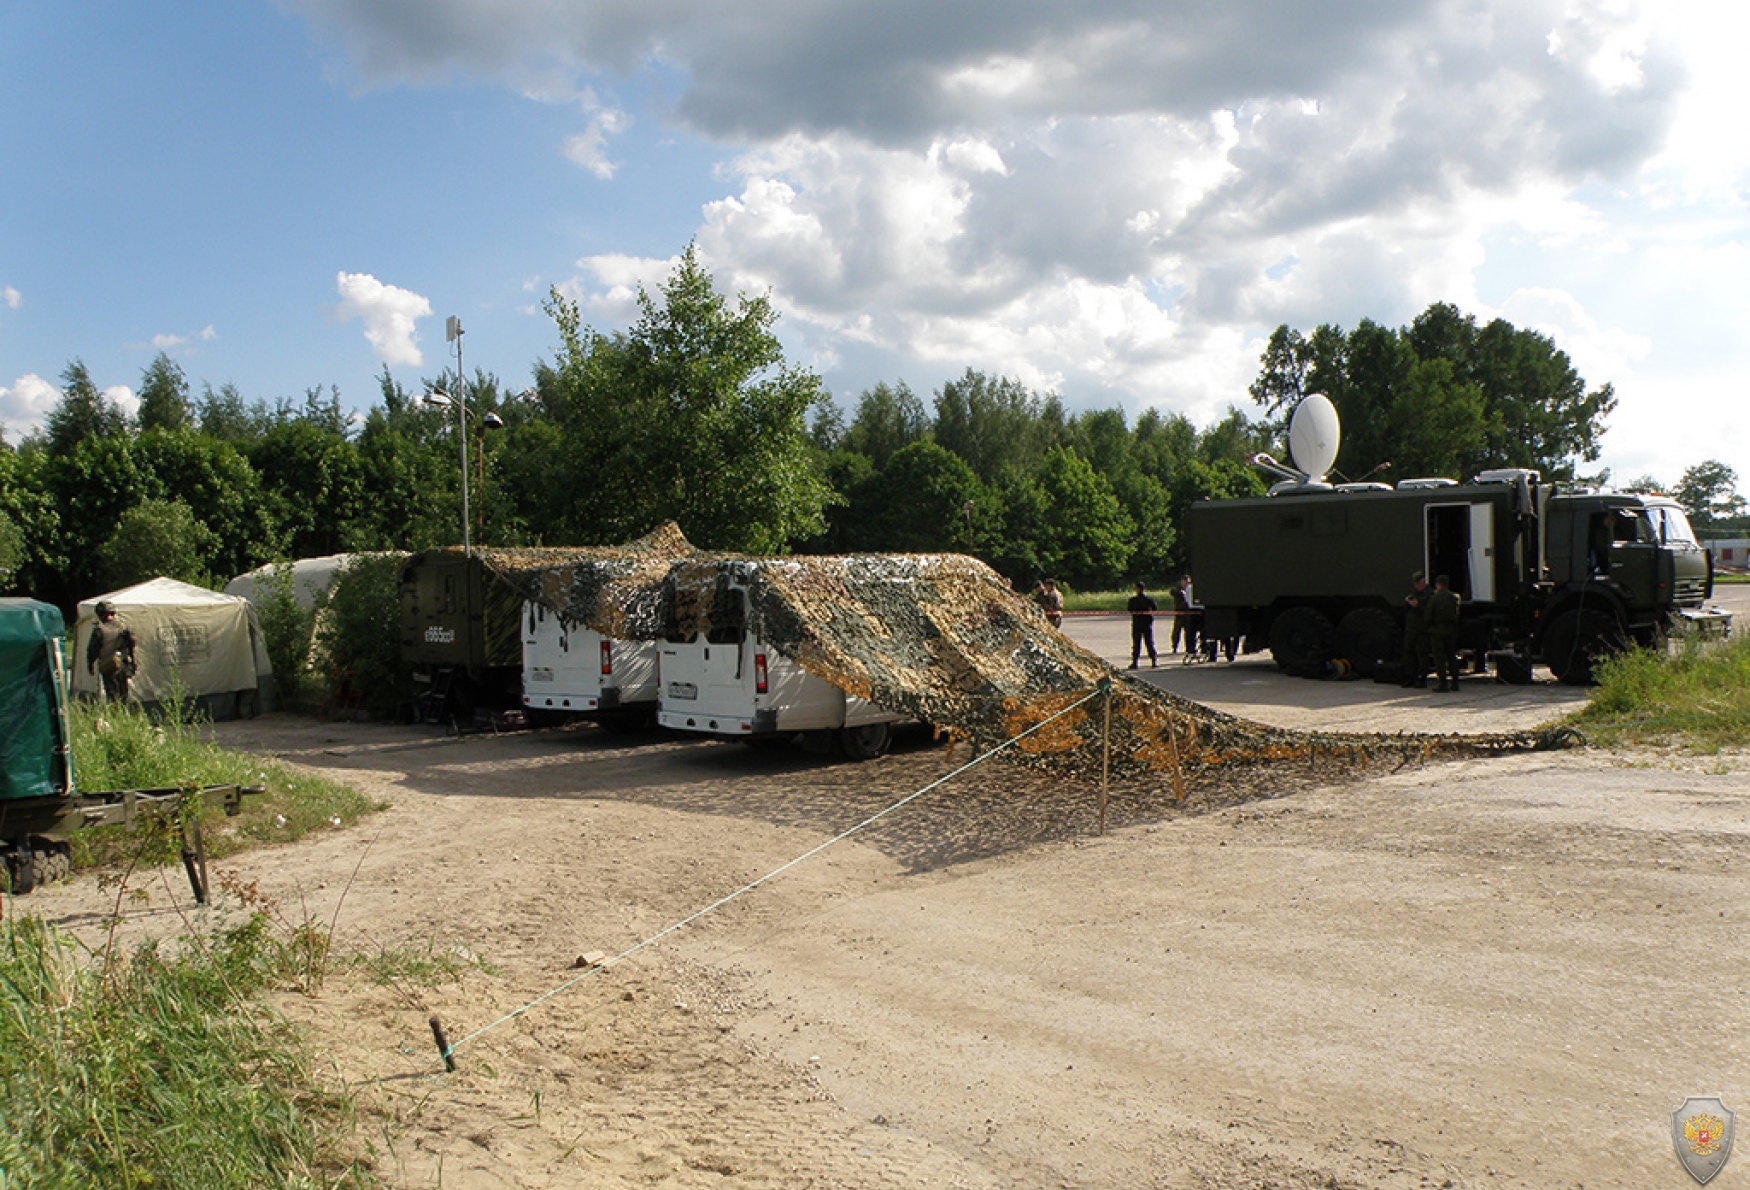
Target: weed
(1696, 695)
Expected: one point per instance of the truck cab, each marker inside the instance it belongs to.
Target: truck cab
(727, 682)
(570, 670)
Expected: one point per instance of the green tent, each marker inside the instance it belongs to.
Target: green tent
(34, 758)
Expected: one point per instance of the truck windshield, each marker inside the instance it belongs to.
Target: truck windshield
(1670, 526)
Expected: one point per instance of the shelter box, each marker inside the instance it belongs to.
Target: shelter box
(572, 670)
(190, 642)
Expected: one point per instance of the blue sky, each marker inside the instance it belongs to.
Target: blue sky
(1112, 200)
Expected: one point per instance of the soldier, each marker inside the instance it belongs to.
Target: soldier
(1443, 633)
(1050, 601)
(1414, 665)
(110, 652)
(1142, 626)
(1185, 617)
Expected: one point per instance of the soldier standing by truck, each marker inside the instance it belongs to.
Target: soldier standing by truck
(1443, 608)
(1414, 665)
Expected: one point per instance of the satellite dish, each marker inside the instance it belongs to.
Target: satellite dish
(1313, 435)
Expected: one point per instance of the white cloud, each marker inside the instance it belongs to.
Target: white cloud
(172, 342)
(25, 404)
(389, 315)
(589, 147)
(11, 297)
(123, 398)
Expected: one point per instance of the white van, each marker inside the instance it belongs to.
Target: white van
(729, 683)
(570, 671)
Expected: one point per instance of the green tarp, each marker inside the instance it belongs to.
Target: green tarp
(33, 758)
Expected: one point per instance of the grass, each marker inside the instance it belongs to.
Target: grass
(1108, 601)
(119, 746)
(146, 1070)
(1697, 695)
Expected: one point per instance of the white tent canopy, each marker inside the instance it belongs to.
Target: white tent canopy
(187, 639)
(311, 579)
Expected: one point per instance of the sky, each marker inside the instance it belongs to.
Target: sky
(1113, 200)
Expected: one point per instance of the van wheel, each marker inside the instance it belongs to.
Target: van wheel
(865, 742)
(1577, 641)
(1366, 637)
(1300, 640)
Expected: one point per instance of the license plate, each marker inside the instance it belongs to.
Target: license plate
(682, 690)
(540, 674)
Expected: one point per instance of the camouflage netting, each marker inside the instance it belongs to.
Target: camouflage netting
(942, 637)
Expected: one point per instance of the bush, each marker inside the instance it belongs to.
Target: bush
(360, 632)
(1698, 695)
(288, 628)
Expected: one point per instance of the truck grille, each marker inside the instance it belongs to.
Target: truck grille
(1689, 592)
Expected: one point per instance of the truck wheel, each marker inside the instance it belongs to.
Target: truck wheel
(1368, 636)
(1577, 641)
(1300, 640)
(865, 742)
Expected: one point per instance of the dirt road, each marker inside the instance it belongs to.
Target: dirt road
(1488, 974)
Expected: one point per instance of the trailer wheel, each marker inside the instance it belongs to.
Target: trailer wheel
(865, 742)
(1366, 637)
(1577, 641)
(1300, 640)
(50, 861)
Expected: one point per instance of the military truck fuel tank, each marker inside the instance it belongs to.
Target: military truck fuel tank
(1316, 572)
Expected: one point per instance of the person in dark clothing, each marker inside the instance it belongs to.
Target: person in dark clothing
(1443, 608)
(1185, 617)
(1142, 609)
(1414, 666)
(1050, 601)
(110, 653)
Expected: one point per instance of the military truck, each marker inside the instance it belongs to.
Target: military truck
(1317, 572)
(461, 634)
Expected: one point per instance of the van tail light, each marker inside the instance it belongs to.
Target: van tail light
(607, 658)
(759, 673)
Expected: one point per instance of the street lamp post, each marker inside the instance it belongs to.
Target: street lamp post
(437, 396)
(491, 421)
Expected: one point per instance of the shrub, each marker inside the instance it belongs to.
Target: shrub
(360, 631)
(288, 628)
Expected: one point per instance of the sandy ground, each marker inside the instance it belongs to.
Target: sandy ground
(1500, 973)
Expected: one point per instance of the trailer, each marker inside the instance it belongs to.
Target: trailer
(572, 671)
(40, 804)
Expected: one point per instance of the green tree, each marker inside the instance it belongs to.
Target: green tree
(1708, 492)
(156, 538)
(889, 419)
(692, 415)
(41, 564)
(82, 412)
(90, 486)
(1086, 537)
(209, 474)
(917, 503)
(314, 482)
(164, 403)
(996, 424)
(1442, 396)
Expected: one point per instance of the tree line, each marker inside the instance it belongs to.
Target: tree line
(693, 414)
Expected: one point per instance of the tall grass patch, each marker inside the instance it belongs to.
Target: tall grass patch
(118, 746)
(1697, 695)
(157, 1070)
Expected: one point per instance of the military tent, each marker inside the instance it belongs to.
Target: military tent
(203, 644)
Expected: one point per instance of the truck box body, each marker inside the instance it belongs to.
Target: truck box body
(461, 632)
(1315, 573)
(570, 669)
